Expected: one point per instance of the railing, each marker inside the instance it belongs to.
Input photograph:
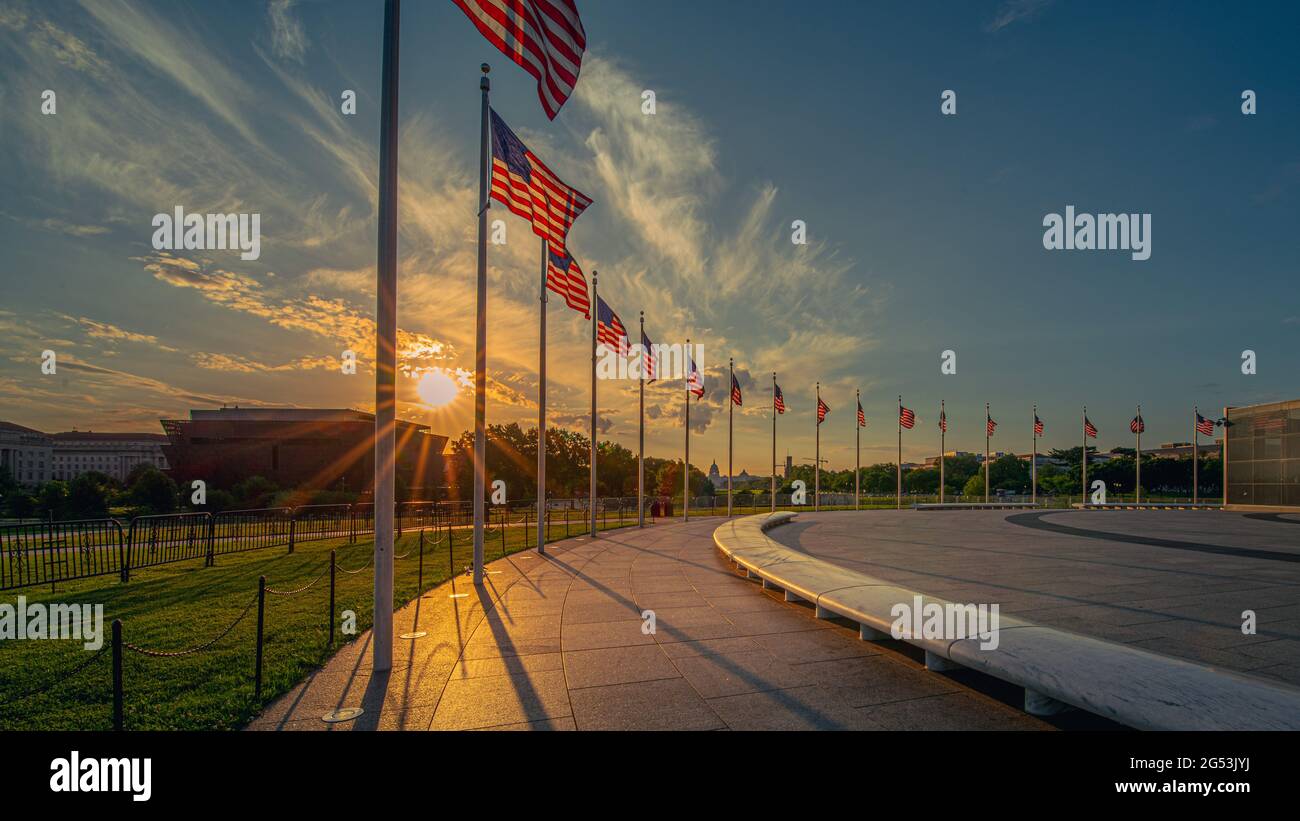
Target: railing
(167, 538)
(236, 531)
(44, 553)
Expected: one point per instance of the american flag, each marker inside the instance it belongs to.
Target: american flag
(862, 417)
(1089, 429)
(528, 188)
(1138, 425)
(778, 400)
(735, 391)
(906, 417)
(544, 37)
(1204, 426)
(943, 421)
(647, 351)
(609, 328)
(990, 425)
(1038, 426)
(564, 277)
(822, 410)
(694, 382)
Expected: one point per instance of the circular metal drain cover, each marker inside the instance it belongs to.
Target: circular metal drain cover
(418, 634)
(341, 714)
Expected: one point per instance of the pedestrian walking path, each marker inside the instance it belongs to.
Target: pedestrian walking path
(639, 629)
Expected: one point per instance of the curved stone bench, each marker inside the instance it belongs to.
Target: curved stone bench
(1057, 668)
(973, 505)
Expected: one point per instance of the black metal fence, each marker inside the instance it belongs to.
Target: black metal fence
(50, 552)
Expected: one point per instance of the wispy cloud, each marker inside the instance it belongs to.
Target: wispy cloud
(1015, 11)
(288, 37)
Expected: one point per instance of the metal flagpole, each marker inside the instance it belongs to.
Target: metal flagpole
(1196, 455)
(817, 456)
(686, 464)
(595, 319)
(731, 407)
(773, 500)
(386, 345)
(480, 341)
(1137, 460)
(1085, 454)
(1033, 461)
(541, 411)
(986, 452)
(943, 432)
(857, 456)
(898, 498)
(640, 436)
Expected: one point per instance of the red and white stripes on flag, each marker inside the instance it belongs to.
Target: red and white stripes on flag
(527, 187)
(1204, 426)
(1137, 425)
(990, 426)
(694, 381)
(862, 416)
(822, 410)
(906, 417)
(1089, 429)
(735, 391)
(648, 358)
(610, 331)
(544, 37)
(943, 421)
(1038, 426)
(564, 277)
(779, 400)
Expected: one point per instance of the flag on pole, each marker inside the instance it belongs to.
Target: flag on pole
(862, 417)
(1038, 426)
(647, 351)
(735, 390)
(1089, 429)
(906, 417)
(528, 189)
(943, 421)
(1138, 425)
(990, 425)
(779, 401)
(1204, 426)
(822, 410)
(609, 328)
(694, 382)
(544, 37)
(564, 277)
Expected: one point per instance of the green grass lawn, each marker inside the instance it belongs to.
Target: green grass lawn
(182, 605)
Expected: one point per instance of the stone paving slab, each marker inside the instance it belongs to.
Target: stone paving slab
(555, 642)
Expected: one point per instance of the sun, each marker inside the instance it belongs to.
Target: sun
(436, 388)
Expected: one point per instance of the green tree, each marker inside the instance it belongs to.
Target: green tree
(154, 491)
(88, 495)
(974, 487)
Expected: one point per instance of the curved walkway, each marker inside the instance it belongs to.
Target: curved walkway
(557, 642)
(1173, 582)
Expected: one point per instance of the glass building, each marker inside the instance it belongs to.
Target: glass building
(1263, 455)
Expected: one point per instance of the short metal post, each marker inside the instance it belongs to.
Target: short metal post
(261, 621)
(117, 674)
(333, 565)
(419, 585)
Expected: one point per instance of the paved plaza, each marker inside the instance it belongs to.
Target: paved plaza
(556, 642)
(1168, 581)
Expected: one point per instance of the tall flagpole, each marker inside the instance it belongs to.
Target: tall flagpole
(731, 407)
(943, 433)
(898, 498)
(1033, 461)
(595, 319)
(1137, 460)
(817, 456)
(480, 343)
(640, 436)
(541, 410)
(986, 452)
(1085, 454)
(386, 344)
(686, 464)
(1196, 455)
(857, 456)
(773, 500)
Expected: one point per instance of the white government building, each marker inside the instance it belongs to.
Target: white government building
(33, 457)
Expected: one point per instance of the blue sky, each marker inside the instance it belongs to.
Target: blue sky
(925, 231)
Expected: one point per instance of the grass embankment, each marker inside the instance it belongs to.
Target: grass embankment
(179, 606)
